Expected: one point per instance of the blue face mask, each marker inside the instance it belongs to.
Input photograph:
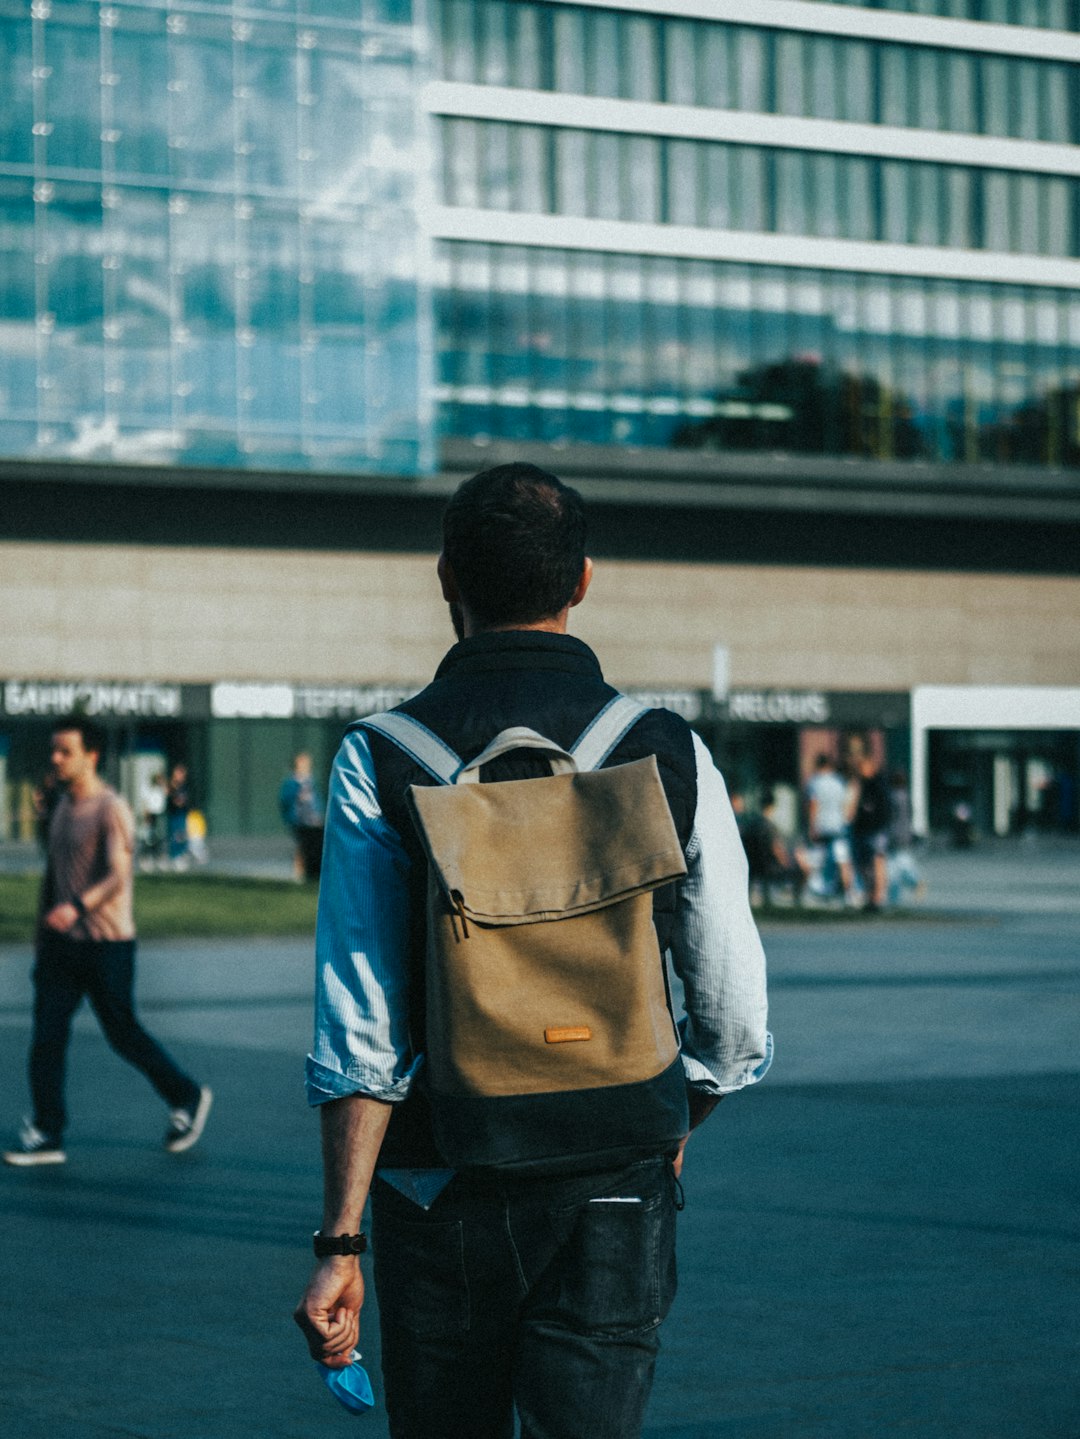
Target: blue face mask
(350, 1386)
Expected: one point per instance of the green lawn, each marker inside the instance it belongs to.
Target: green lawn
(175, 906)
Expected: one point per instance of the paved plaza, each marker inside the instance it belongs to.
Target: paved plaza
(881, 1240)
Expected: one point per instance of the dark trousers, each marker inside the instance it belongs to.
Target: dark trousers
(309, 842)
(525, 1294)
(104, 972)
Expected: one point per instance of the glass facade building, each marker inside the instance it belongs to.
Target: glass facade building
(209, 245)
(320, 235)
(842, 232)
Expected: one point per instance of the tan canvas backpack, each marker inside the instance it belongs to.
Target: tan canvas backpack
(550, 1037)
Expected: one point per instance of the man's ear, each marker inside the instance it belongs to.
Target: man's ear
(450, 592)
(583, 583)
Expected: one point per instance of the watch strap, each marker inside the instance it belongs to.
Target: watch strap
(326, 1245)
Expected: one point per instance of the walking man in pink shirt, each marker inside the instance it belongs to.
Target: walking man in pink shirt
(85, 947)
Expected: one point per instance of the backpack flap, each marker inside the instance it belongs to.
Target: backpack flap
(544, 973)
(526, 851)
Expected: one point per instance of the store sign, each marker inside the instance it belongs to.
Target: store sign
(840, 709)
(689, 704)
(252, 701)
(348, 702)
(32, 699)
(779, 707)
(229, 700)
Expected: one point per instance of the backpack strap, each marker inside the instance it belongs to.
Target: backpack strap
(417, 741)
(599, 738)
(589, 750)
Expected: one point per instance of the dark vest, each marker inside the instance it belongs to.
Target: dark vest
(553, 684)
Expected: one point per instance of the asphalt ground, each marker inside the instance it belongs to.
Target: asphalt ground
(880, 1239)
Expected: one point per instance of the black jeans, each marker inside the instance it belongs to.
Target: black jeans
(104, 972)
(540, 1295)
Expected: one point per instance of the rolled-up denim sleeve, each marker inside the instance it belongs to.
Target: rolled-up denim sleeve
(361, 945)
(716, 950)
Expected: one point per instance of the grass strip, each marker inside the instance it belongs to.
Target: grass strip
(182, 906)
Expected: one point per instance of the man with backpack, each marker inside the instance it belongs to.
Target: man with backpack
(508, 857)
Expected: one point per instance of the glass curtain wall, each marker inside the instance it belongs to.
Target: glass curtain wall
(722, 66)
(208, 238)
(1042, 14)
(571, 347)
(494, 165)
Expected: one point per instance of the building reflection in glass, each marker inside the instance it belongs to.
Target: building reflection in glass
(569, 347)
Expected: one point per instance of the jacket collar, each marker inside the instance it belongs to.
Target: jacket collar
(519, 649)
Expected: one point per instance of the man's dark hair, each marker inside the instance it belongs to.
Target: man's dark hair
(514, 537)
(93, 735)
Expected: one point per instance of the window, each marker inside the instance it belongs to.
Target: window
(792, 213)
(895, 206)
(605, 189)
(827, 215)
(959, 93)
(571, 173)
(458, 40)
(569, 46)
(641, 60)
(858, 204)
(997, 202)
(751, 69)
(642, 179)
(995, 96)
(791, 88)
(855, 96)
(893, 101)
(929, 111)
(825, 82)
(684, 187)
(680, 62)
(717, 166)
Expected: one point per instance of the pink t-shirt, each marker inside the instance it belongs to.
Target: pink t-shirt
(87, 839)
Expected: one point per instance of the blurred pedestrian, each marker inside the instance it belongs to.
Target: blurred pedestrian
(152, 801)
(196, 835)
(870, 828)
(85, 948)
(903, 872)
(770, 861)
(177, 805)
(303, 810)
(829, 814)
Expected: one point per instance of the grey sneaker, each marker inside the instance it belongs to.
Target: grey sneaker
(34, 1148)
(186, 1125)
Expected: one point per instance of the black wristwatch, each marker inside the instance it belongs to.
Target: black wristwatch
(327, 1244)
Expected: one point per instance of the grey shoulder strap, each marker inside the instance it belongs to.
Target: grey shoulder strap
(418, 742)
(599, 738)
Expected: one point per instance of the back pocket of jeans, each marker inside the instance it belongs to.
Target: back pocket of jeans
(616, 1266)
(420, 1274)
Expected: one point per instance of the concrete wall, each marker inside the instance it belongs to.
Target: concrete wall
(141, 613)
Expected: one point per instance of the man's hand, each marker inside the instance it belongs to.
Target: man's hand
(62, 918)
(329, 1311)
(701, 1105)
